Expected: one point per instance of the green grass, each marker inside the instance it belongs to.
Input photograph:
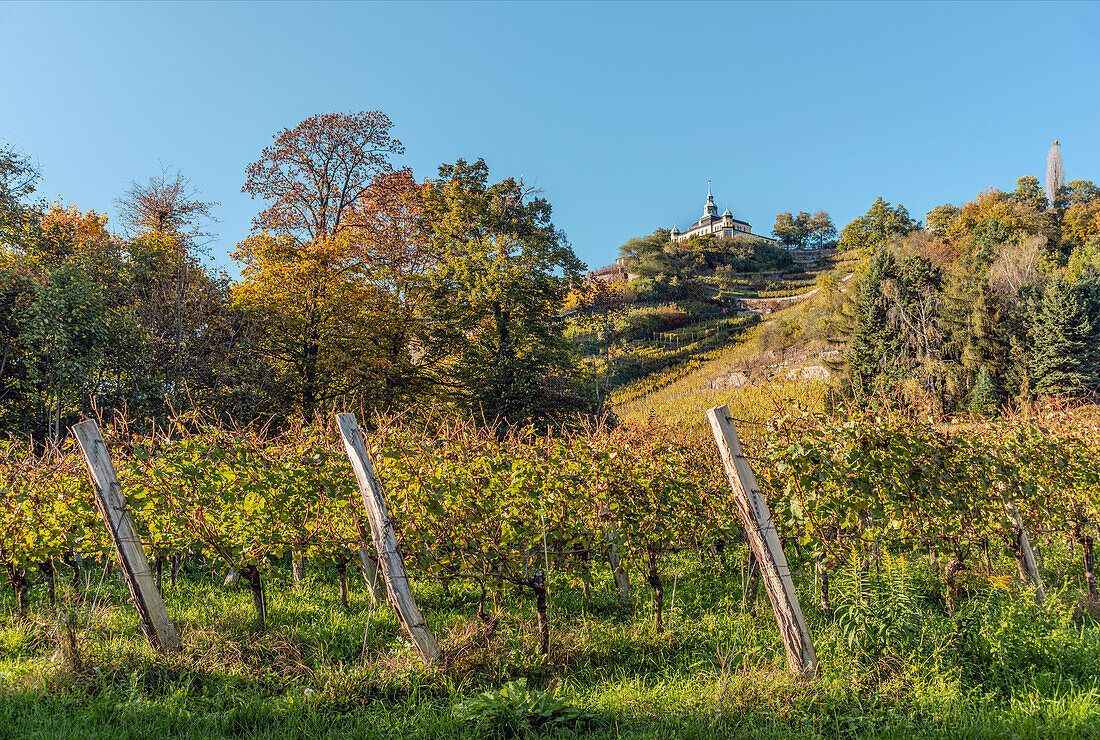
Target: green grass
(1003, 667)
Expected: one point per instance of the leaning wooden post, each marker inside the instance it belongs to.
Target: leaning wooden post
(156, 625)
(801, 656)
(371, 573)
(398, 589)
(1025, 557)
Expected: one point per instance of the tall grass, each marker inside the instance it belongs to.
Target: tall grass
(1005, 667)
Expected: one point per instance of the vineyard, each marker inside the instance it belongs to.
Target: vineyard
(515, 540)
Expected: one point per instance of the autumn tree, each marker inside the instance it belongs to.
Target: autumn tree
(166, 204)
(318, 172)
(394, 240)
(306, 270)
(822, 230)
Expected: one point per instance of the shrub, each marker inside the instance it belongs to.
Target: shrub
(516, 709)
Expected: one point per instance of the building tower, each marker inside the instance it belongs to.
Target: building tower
(710, 209)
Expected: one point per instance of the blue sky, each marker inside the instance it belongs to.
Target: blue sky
(621, 111)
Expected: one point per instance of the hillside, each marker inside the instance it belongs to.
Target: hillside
(786, 356)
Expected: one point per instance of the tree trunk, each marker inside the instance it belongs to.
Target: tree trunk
(173, 573)
(481, 604)
(70, 653)
(49, 571)
(19, 582)
(1021, 563)
(310, 383)
(622, 583)
(622, 580)
(538, 585)
(160, 572)
(954, 567)
(259, 599)
(658, 591)
(342, 573)
(1090, 568)
(72, 559)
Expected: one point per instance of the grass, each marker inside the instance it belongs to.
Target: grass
(1004, 667)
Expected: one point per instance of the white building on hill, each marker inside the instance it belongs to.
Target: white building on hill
(712, 223)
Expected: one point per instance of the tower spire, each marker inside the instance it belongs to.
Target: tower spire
(710, 209)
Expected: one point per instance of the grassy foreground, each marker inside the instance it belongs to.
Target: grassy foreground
(892, 663)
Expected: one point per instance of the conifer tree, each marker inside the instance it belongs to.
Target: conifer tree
(983, 397)
(1060, 347)
(872, 339)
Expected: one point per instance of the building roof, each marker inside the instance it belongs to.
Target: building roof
(710, 215)
(708, 220)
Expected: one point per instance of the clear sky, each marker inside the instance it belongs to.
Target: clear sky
(620, 111)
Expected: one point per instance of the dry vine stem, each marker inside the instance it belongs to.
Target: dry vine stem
(393, 567)
(801, 656)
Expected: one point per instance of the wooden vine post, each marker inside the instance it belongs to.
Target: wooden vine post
(1025, 556)
(158, 628)
(398, 589)
(765, 544)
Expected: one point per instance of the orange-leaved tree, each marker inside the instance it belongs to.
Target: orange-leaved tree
(311, 274)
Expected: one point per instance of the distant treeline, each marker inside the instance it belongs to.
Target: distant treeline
(991, 303)
(359, 286)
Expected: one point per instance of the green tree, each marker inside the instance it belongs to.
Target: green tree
(66, 332)
(1028, 192)
(940, 218)
(503, 275)
(983, 397)
(16, 293)
(1083, 258)
(1060, 362)
(1078, 191)
(873, 340)
(794, 231)
(879, 223)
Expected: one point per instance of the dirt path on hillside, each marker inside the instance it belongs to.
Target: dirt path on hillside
(767, 305)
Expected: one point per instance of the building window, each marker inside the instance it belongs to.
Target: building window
(729, 232)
